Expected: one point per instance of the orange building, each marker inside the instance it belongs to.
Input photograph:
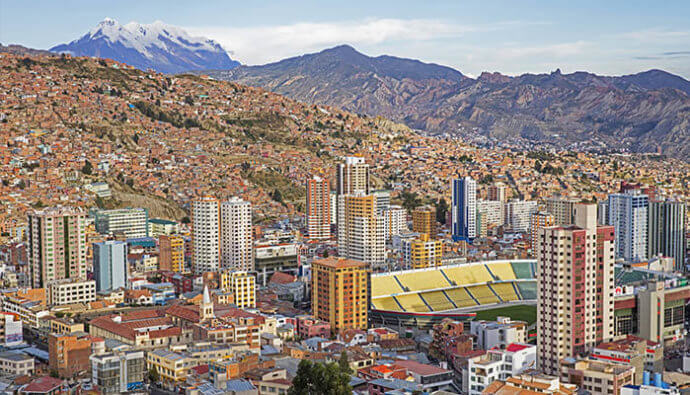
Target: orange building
(171, 256)
(69, 353)
(424, 220)
(318, 208)
(341, 292)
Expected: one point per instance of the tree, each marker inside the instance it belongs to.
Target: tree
(344, 363)
(88, 168)
(154, 377)
(54, 374)
(325, 253)
(315, 378)
(410, 200)
(441, 210)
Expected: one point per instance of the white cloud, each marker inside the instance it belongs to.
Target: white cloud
(263, 44)
(654, 35)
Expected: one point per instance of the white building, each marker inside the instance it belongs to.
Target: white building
(499, 333)
(497, 364)
(16, 364)
(395, 221)
(492, 210)
(236, 234)
(11, 330)
(628, 215)
(518, 213)
(131, 222)
(118, 372)
(69, 291)
(205, 235)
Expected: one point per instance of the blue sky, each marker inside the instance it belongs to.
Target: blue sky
(512, 37)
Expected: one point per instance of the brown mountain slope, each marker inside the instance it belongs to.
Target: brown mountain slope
(644, 112)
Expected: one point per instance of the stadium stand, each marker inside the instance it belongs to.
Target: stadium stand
(528, 289)
(522, 270)
(437, 300)
(483, 294)
(468, 274)
(423, 280)
(412, 302)
(384, 285)
(460, 297)
(505, 291)
(502, 270)
(386, 304)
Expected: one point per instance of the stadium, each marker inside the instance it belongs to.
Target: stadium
(422, 297)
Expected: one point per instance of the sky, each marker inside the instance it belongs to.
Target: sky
(608, 37)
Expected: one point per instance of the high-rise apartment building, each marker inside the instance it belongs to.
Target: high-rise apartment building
(425, 252)
(110, 265)
(318, 209)
(236, 234)
(130, 222)
(353, 176)
(340, 292)
(424, 220)
(395, 221)
(574, 288)
(538, 221)
(56, 245)
(464, 209)
(517, 213)
(383, 199)
(171, 253)
(492, 210)
(361, 232)
(628, 215)
(666, 231)
(205, 235)
(561, 208)
(603, 212)
(497, 192)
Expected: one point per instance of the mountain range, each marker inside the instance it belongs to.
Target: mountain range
(157, 46)
(644, 112)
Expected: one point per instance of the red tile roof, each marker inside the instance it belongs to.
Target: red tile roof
(43, 384)
(515, 347)
(282, 278)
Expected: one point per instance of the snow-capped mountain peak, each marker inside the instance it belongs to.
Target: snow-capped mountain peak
(156, 45)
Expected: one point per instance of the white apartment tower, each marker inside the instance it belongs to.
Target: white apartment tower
(628, 215)
(236, 234)
(205, 235)
(361, 230)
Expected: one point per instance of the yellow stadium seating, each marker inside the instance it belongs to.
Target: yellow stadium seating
(386, 304)
(483, 294)
(437, 300)
(460, 297)
(425, 279)
(505, 291)
(504, 271)
(384, 285)
(412, 302)
(470, 274)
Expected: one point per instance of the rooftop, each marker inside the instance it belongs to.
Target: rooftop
(338, 263)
